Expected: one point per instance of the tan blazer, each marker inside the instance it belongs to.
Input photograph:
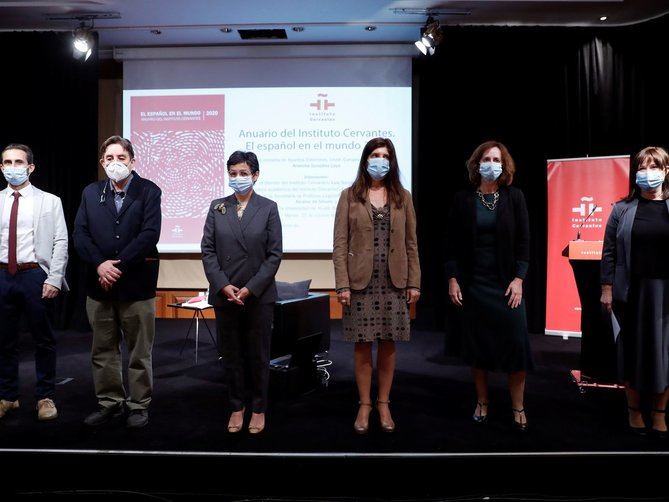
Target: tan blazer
(353, 250)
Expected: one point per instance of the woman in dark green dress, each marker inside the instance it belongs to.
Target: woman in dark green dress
(487, 260)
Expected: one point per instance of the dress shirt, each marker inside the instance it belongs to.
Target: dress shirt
(25, 238)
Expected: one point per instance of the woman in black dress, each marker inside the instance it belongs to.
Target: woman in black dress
(635, 285)
(487, 260)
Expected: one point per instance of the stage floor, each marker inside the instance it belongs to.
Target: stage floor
(432, 401)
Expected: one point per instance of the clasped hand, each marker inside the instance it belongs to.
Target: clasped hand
(108, 273)
(235, 294)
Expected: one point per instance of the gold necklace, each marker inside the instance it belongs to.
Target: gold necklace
(489, 205)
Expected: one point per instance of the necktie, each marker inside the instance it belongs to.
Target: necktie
(13, 218)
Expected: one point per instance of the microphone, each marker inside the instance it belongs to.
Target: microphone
(578, 232)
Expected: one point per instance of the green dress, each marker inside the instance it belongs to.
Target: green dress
(495, 335)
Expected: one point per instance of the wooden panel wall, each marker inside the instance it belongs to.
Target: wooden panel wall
(165, 297)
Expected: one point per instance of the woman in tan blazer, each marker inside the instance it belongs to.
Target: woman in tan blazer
(377, 272)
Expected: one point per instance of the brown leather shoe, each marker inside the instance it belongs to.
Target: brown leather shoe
(6, 406)
(46, 409)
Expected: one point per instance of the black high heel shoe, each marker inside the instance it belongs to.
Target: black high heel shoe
(480, 419)
(637, 431)
(519, 425)
(657, 433)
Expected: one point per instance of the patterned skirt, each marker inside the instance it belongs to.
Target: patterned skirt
(380, 311)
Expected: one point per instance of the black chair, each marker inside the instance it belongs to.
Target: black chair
(300, 332)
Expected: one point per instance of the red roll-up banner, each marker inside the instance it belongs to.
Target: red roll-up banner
(577, 188)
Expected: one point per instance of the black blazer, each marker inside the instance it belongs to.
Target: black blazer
(244, 252)
(131, 235)
(513, 235)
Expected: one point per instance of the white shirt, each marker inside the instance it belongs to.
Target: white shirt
(25, 239)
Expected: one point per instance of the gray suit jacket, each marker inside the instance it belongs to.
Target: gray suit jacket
(617, 251)
(242, 253)
(50, 236)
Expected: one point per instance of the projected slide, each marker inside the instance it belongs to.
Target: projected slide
(308, 142)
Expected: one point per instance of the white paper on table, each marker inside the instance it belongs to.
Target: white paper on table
(616, 327)
(196, 305)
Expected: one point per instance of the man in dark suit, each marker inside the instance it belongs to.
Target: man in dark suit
(241, 252)
(116, 232)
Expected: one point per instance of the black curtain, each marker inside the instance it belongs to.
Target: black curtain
(544, 92)
(50, 103)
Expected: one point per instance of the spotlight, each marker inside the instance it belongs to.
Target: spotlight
(430, 37)
(83, 43)
(421, 47)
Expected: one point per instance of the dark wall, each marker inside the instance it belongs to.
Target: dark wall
(544, 92)
(49, 102)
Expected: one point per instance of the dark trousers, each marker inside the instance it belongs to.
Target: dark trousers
(22, 293)
(244, 334)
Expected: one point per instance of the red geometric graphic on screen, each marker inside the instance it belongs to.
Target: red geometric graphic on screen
(188, 166)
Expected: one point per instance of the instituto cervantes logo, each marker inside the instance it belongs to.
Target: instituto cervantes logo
(322, 103)
(177, 232)
(320, 109)
(588, 208)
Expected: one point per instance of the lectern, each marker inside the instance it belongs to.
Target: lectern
(598, 349)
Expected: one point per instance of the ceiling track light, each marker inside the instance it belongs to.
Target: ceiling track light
(83, 42)
(83, 16)
(430, 37)
(411, 11)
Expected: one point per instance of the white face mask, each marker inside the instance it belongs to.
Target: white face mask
(117, 171)
(241, 184)
(490, 171)
(16, 176)
(378, 167)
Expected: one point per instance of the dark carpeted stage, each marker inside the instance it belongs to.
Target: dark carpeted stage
(432, 401)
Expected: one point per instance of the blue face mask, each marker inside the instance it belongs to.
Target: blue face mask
(378, 167)
(15, 176)
(490, 171)
(649, 179)
(241, 184)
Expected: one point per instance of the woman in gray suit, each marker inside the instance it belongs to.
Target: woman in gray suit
(635, 286)
(241, 253)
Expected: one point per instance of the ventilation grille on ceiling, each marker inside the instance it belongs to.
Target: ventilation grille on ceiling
(275, 34)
